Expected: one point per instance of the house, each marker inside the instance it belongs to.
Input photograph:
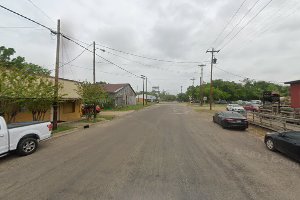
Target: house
(69, 108)
(295, 93)
(121, 94)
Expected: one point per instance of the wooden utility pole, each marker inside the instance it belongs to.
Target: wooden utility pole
(143, 91)
(212, 51)
(146, 91)
(137, 90)
(181, 89)
(94, 75)
(201, 85)
(55, 103)
(94, 63)
(193, 79)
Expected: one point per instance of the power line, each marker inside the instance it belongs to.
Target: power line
(149, 58)
(239, 22)
(244, 77)
(16, 13)
(232, 17)
(66, 37)
(75, 56)
(100, 56)
(16, 27)
(246, 24)
(240, 76)
(266, 28)
(40, 10)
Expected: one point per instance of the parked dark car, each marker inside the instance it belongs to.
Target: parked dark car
(230, 119)
(286, 142)
(251, 107)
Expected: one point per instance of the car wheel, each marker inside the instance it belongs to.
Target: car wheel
(223, 126)
(270, 144)
(27, 146)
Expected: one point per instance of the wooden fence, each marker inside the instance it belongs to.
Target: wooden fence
(273, 122)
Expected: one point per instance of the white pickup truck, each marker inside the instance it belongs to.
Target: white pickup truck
(22, 137)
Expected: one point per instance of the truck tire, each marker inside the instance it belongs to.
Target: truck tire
(27, 146)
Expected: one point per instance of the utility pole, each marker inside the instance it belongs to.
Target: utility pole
(143, 77)
(146, 91)
(193, 79)
(137, 90)
(94, 75)
(55, 103)
(213, 61)
(94, 62)
(180, 89)
(201, 84)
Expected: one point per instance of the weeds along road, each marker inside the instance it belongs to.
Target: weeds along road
(167, 151)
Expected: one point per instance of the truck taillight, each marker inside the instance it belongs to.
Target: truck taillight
(50, 126)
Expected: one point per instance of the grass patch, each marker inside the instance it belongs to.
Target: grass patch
(98, 119)
(61, 128)
(106, 117)
(130, 107)
(205, 108)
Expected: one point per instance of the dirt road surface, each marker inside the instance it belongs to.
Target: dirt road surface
(167, 151)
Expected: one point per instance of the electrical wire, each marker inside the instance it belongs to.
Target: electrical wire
(265, 29)
(44, 13)
(16, 13)
(16, 27)
(239, 22)
(246, 25)
(100, 56)
(148, 58)
(76, 57)
(229, 22)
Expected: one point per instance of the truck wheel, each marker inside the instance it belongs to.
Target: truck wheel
(27, 146)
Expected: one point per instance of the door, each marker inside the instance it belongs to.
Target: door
(293, 148)
(283, 143)
(3, 140)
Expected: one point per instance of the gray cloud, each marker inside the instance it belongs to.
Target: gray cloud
(168, 29)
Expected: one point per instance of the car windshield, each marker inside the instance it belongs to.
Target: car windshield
(233, 115)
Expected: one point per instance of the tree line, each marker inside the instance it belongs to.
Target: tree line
(232, 91)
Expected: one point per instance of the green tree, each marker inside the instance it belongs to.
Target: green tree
(91, 95)
(20, 89)
(42, 96)
(164, 96)
(19, 62)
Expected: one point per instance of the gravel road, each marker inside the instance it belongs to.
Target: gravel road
(167, 151)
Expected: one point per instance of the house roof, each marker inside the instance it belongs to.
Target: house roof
(114, 88)
(292, 82)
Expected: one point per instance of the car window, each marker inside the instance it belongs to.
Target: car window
(293, 135)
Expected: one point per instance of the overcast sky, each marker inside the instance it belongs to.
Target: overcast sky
(179, 30)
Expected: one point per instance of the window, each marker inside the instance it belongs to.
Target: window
(293, 135)
(68, 107)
